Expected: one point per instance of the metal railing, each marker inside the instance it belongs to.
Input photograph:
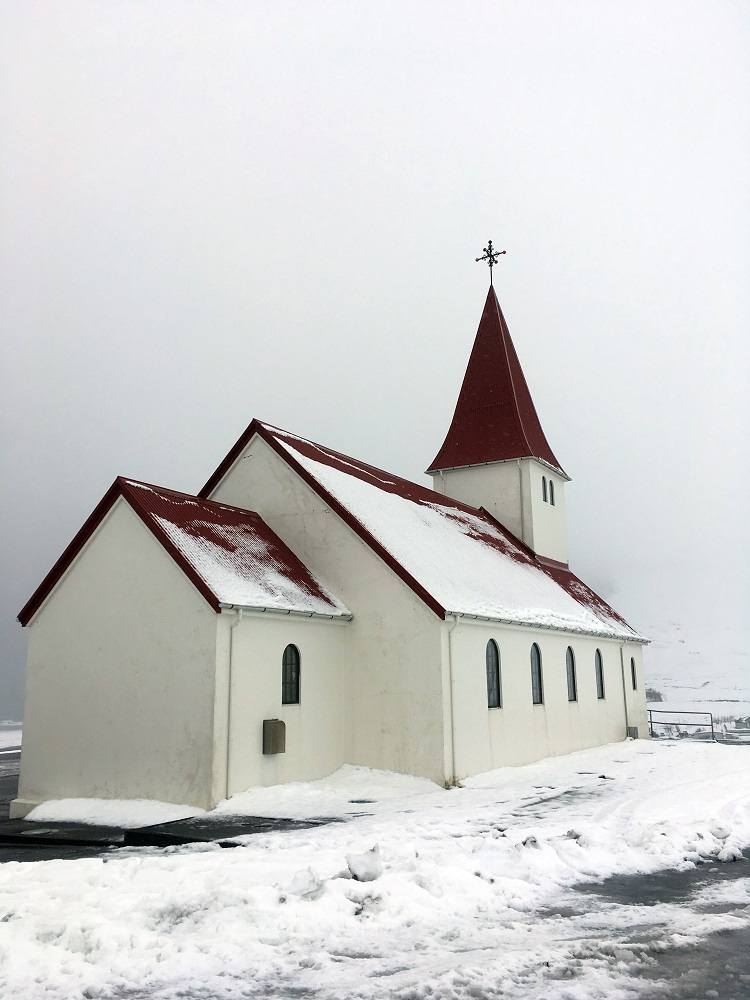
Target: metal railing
(677, 721)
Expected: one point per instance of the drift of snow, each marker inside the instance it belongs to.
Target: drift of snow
(10, 735)
(468, 904)
(347, 791)
(365, 867)
(125, 814)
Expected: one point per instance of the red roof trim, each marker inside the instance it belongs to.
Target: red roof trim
(232, 455)
(348, 518)
(54, 576)
(118, 489)
(163, 538)
(267, 435)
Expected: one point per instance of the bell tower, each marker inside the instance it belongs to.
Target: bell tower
(495, 454)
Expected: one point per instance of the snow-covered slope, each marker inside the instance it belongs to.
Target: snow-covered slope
(699, 667)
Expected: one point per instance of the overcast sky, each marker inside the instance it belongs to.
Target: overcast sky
(214, 211)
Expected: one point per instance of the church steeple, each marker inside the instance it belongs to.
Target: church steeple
(495, 418)
(495, 454)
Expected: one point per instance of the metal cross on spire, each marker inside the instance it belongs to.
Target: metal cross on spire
(490, 255)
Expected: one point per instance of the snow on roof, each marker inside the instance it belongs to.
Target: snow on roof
(461, 557)
(230, 555)
(234, 552)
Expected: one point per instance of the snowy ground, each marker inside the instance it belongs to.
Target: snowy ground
(10, 734)
(474, 898)
(699, 667)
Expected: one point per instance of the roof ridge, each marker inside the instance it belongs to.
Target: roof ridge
(196, 498)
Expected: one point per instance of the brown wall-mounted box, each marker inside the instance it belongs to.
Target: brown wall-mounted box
(274, 736)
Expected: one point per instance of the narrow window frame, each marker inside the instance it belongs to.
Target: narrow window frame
(599, 673)
(633, 674)
(537, 675)
(570, 672)
(494, 682)
(544, 489)
(551, 492)
(291, 664)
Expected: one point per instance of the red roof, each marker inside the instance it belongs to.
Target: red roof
(230, 555)
(429, 540)
(495, 418)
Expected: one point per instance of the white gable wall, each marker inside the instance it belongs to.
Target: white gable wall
(520, 732)
(120, 683)
(392, 693)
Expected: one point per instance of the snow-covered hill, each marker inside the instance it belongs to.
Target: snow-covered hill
(698, 667)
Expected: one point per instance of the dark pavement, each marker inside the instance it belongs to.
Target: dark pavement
(10, 761)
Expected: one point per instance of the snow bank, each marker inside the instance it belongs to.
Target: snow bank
(467, 904)
(126, 814)
(10, 736)
(348, 791)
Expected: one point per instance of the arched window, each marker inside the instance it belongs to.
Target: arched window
(599, 668)
(632, 674)
(544, 488)
(290, 676)
(494, 695)
(570, 664)
(552, 493)
(537, 689)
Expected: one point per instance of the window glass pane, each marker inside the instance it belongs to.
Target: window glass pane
(537, 690)
(494, 695)
(632, 674)
(290, 676)
(551, 492)
(599, 666)
(544, 488)
(570, 664)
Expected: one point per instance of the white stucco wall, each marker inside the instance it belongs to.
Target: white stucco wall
(120, 682)
(512, 493)
(548, 520)
(315, 728)
(521, 732)
(393, 676)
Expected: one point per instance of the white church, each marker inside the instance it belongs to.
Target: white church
(305, 610)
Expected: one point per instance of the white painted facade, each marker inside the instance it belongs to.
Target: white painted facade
(121, 678)
(514, 492)
(520, 732)
(392, 685)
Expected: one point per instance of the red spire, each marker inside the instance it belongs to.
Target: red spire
(495, 417)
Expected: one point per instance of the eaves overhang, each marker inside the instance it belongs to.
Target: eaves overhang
(570, 630)
(503, 461)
